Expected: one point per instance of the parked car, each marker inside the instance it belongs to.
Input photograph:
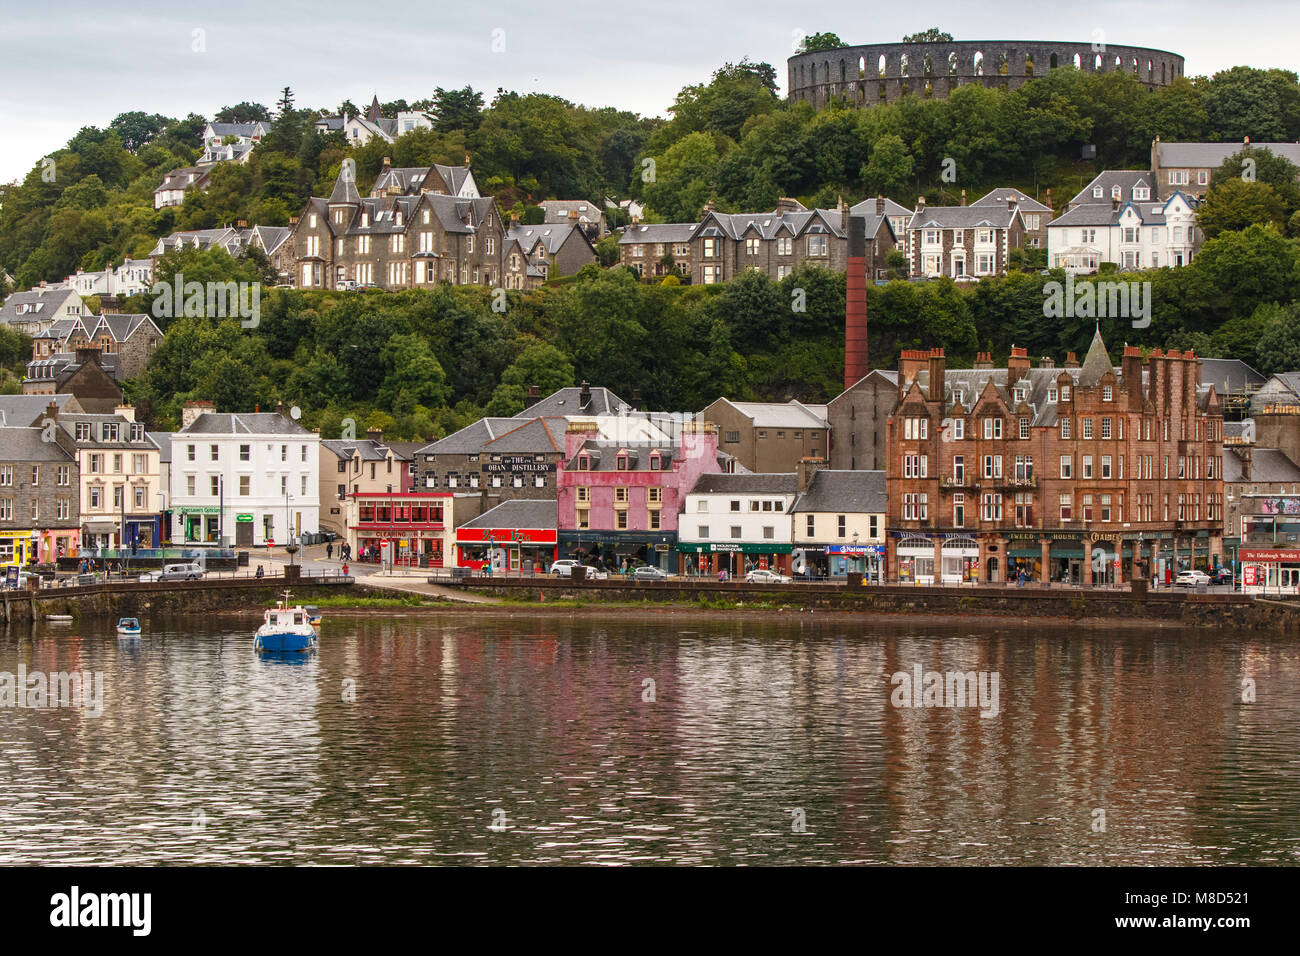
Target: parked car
(596, 574)
(964, 279)
(1187, 579)
(765, 576)
(1221, 575)
(192, 571)
(649, 573)
(564, 567)
(346, 285)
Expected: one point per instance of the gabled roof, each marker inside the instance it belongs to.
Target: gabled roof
(1108, 179)
(517, 513)
(557, 210)
(963, 217)
(24, 410)
(184, 177)
(44, 302)
(552, 237)
(868, 207)
(999, 197)
(471, 439)
(24, 443)
(1229, 375)
(164, 442)
(530, 437)
(1267, 466)
(844, 492)
(345, 190)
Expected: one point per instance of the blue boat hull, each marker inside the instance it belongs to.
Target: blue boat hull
(281, 642)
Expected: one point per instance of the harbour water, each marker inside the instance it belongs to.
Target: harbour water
(673, 738)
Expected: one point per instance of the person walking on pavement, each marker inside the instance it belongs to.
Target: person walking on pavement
(329, 550)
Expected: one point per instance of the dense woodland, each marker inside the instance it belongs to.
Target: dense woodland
(424, 363)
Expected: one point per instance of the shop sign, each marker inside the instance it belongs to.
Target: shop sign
(243, 518)
(1291, 555)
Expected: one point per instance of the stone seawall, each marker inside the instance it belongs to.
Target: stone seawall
(133, 599)
(1176, 608)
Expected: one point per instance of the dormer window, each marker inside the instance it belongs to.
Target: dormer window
(621, 461)
(1141, 192)
(1065, 393)
(1116, 192)
(365, 219)
(1051, 394)
(1097, 192)
(656, 461)
(584, 463)
(1107, 393)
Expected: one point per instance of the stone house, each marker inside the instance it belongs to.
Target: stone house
(1036, 215)
(647, 248)
(858, 417)
(39, 479)
(1189, 167)
(535, 253)
(964, 240)
(769, 437)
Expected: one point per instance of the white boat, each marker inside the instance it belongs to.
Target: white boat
(286, 628)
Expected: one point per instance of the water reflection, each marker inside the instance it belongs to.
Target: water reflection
(689, 740)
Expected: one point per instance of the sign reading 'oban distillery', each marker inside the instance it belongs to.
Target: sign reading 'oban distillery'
(518, 463)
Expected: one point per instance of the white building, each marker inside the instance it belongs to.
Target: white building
(839, 523)
(737, 522)
(248, 478)
(132, 277)
(35, 310)
(1136, 234)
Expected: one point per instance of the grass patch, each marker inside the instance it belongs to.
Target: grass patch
(409, 600)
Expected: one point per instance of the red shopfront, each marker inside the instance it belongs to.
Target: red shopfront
(407, 529)
(518, 549)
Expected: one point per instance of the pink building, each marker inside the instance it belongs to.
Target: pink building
(619, 500)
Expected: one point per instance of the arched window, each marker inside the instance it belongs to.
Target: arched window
(1096, 63)
(1029, 64)
(1004, 63)
(978, 63)
(1119, 63)
(862, 67)
(1135, 66)
(952, 64)
(880, 69)
(843, 72)
(1151, 71)
(1078, 62)
(1052, 62)
(929, 65)
(902, 65)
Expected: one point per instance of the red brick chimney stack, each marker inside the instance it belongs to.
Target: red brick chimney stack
(855, 302)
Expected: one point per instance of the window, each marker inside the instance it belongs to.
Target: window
(810, 526)
(620, 520)
(959, 470)
(991, 507)
(785, 247)
(958, 429)
(735, 531)
(959, 511)
(1065, 393)
(653, 521)
(751, 247)
(992, 428)
(1105, 466)
(1177, 177)
(841, 526)
(817, 245)
(621, 495)
(1087, 466)
(1067, 512)
(915, 466)
(1024, 428)
(1087, 427)
(1067, 462)
(769, 532)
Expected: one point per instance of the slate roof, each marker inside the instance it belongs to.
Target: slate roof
(47, 301)
(23, 443)
(410, 180)
(1201, 155)
(770, 225)
(164, 442)
(370, 449)
(1096, 363)
(658, 232)
(868, 207)
(184, 178)
(552, 237)
(1126, 179)
(754, 483)
(565, 402)
(243, 423)
(603, 455)
(557, 210)
(534, 436)
(1107, 214)
(999, 197)
(23, 410)
(238, 129)
(963, 217)
(844, 492)
(517, 513)
(1229, 375)
(345, 190)
(1267, 466)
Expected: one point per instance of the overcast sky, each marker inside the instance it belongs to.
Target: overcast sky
(65, 65)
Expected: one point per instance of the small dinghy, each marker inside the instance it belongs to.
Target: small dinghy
(128, 627)
(58, 618)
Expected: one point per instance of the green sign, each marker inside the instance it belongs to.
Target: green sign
(770, 547)
(243, 517)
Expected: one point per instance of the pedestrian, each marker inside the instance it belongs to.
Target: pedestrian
(345, 569)
(261, 571)
(329, 550)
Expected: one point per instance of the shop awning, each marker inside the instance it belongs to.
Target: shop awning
(99, 527)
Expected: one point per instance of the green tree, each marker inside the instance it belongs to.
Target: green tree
(1279, 344)
(457, 110)
(890, 166)
(932, 35)
(820, 42)
(1234, 204)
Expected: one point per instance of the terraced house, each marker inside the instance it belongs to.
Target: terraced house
(725, 245)
(1088, 474)
(38, 497)
(395, 241)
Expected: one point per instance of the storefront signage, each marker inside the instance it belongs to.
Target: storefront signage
(503, 536)
(728, 548)
(855, 549)
(198, 509)
(1288, 555)
(243, 518)
(518, 463)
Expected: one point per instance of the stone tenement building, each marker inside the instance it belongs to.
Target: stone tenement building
(395, 240)
(1086, 474)
(964, 240)
(885, 72)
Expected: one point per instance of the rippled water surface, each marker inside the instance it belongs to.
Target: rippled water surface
(478, 739)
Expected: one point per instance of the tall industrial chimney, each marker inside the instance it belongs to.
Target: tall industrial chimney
(855, 303)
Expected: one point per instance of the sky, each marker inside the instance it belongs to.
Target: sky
(65, 64)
